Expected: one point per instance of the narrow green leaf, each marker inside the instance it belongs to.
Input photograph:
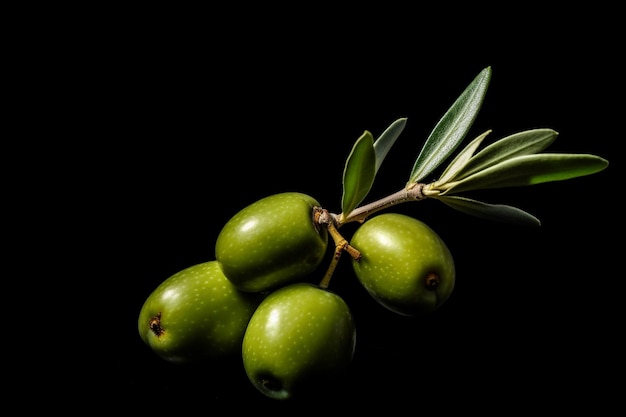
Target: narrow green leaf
(495, 212)
(522, 143)
(461, 159)
(387, 139)
(452, 128)
(359, 173)
(528, 170)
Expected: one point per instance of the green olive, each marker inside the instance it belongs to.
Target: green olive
(196, 315)
(299, 341)
(405, 265)
(272, 242)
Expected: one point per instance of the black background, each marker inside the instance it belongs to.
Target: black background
(175, 120)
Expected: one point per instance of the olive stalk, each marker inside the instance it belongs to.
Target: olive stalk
(413, 192)
(325, 219)
(332, 222)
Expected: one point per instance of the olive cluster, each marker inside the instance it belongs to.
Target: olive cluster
(256, 298)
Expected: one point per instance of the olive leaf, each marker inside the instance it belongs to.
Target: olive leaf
(522, 143)
(527, 170)
(451, 128)
(386, 140)
(461, 159)
(359, 173)
(496, 212)
(509, 162)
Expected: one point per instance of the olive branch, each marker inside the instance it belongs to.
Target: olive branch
(513, 161)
